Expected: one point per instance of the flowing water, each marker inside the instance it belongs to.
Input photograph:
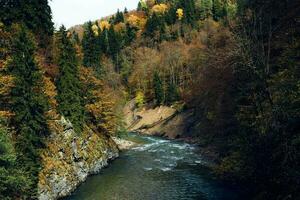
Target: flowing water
(158, 169)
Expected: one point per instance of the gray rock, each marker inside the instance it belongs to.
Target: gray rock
(77, 160)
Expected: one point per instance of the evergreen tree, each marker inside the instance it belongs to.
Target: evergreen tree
(35, 14)
(114, 39)
(219, 10)
(69, 97)
(125, 11)
(172, 93)
(12, 179)
(91, 48)
(189, 11)
(206, 9)
(104, 42)
(75, 38)
(155, 28)
(139, 7)
(158, 88)
(170, 16)
(29, 105)
(119, 17)
(130, 34)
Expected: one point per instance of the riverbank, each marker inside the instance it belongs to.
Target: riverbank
(171, 122)
(164, 121)
(69, 158)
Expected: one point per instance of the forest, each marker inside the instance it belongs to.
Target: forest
(235, 63)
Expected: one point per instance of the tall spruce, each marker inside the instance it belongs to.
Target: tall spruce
(29, 105)
(91, 48)
(189, 10)
(35, 14)
(115, 44)
(119, 17)
(206, 9)
(172, 94)
(104, 42)
(130, 35)
(69, 97)
(12, 179)
(158, 88)
(155, 29)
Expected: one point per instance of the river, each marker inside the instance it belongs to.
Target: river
(158, 169)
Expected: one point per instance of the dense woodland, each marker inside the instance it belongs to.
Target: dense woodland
(235, 63)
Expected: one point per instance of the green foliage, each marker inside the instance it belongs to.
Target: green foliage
(12, 179)
(115, 44)
(172, 94)
(142, 6)
(206, 9)
(170, 16)
(104, 42)
(158, 88)
(155, 29)
(130, 34)
(91, 48)
(119, 17)
(29, 105)
(139, 99)
(219, 9)
(189, 11)
(35, 14)
(69, 98)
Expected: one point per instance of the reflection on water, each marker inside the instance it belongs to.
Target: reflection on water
(158, 169)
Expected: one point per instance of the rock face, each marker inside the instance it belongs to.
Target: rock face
(124, 144)
(69, 158)
(162, 121)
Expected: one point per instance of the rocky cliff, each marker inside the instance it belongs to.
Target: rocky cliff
(69, 158)
(161, 121)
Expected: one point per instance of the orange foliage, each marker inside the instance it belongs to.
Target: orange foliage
(50, 92)
(104, 25)
(100, 105)
(160, 8)
(120, 27)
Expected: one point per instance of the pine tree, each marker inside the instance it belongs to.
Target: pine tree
(115, 40)
(206, 9)
(69, 97)
(172, 93)
(91, 48)
(104, 42)
(189, 10)
(158, 88)
(119, 17)
(75, 38)
(125, 11)
(218, 10)
(139, 7)
(12, 179)
(170, 16)
(35, 14)
(130, 34)
(155, 28)
(29, 105)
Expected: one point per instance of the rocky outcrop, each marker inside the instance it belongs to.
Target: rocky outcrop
(69, 158)
(161, 121)
(124, 144)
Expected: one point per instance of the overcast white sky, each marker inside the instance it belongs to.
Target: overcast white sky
(73, 12)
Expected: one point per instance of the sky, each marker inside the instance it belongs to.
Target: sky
(73, 12)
